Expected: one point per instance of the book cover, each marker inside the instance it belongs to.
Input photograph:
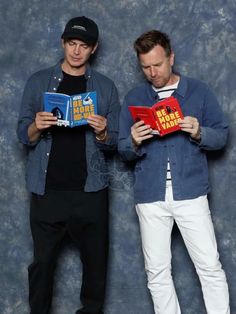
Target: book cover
(71, 110)
(163, 116)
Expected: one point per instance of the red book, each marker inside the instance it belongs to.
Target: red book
(163, 117)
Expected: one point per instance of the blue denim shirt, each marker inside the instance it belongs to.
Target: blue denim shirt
(39, 152)
(188, 162)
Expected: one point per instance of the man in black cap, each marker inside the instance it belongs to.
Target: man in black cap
(66, 170)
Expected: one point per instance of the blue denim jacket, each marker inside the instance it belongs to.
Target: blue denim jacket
(39, 152)
(187, 157)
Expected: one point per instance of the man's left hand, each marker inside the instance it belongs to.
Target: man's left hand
(99, 124)
(191, 126)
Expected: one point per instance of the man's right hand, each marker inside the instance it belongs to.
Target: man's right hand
(140, 132)
(43, 120)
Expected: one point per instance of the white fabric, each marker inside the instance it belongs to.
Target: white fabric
(194, 222)
(165, 92)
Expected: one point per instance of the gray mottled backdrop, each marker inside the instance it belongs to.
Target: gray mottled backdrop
(203, 33)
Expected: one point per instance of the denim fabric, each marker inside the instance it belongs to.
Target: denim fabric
(188, 162)
(39, 152)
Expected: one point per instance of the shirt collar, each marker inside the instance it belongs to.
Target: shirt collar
(59, 75)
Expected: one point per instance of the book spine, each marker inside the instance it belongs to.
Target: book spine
(157, 122)
(71, 118)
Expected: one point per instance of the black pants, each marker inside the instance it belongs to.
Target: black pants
(84, 216)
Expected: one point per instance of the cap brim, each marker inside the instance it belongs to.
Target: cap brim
(82, 37)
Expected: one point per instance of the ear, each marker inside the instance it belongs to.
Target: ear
(172, 58)
(63, 43)
(94, 48)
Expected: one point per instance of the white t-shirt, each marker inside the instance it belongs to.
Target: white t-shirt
(163, 93)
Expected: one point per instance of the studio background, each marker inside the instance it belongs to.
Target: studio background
(203, 36)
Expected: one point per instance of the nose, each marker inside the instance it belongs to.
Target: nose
(152, 71)
(77, 50)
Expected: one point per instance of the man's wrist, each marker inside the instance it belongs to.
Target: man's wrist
(198, 136)
(134, 142)
(102, 137)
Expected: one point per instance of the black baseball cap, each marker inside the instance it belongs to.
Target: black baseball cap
(81, 28)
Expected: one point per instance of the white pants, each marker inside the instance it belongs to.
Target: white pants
(194, 222)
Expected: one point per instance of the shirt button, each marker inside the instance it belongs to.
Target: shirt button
(59, 79)
(47, 154)
(45, 171)
(54, 88)
(55, 77)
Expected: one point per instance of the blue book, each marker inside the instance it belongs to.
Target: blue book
(71, 110)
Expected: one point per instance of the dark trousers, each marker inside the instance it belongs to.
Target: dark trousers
(84, 216)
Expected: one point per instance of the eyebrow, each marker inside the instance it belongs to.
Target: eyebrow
(147, 66)
(74, 42)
